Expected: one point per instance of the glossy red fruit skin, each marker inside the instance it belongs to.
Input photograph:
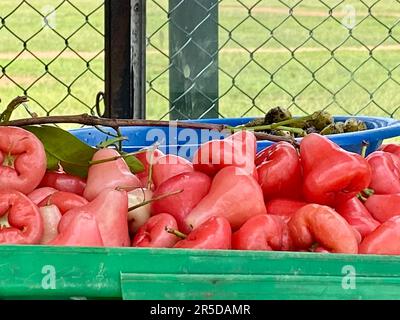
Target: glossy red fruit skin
(393, 148)
(195, 186)
(263, 232)
(383, 206)
(22, 160)
(145, 158)
(65, 201)
(63, 182)
(110, 208)
(284, 208)
(215, 233)
(51, 218)
(237, 150)
(234, 195)
(82, 231)
(383, 240)
(357, 215)
(153, 233)
(385, 168)
(321, 224)
(279, 172)
(169, 166)
(38, 195)
(108, 175)
(24, 218)
(324, 181)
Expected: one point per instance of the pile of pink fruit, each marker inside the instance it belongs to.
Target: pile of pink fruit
(318, 198)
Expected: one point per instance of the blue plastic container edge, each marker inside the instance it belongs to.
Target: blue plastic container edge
(379, 129)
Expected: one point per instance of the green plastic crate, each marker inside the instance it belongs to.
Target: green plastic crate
(134, 273)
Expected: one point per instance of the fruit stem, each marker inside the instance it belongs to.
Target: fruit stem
(269, 127)
(175, 232)
(276, 125)
(291, 121)
(365, 194)
(361, 197)
(364, 147)
(165, 195)
(119, 134)
(368, 192)
(4, 223)
(5, 116)
(150, 175)
(313, 246)
(48, 202)
(290, 129)
(9, 161)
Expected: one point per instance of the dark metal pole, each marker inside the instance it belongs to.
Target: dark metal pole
(193, 48)
(138, 46)
(124, 58)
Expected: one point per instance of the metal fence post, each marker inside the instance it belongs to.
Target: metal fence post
(193, 46)
(138, 53)
(124, 58)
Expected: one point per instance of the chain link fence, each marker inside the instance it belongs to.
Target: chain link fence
(228, 58)
(242, 57)
(53, 52)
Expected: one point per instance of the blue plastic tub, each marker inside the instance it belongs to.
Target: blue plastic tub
(184, 142)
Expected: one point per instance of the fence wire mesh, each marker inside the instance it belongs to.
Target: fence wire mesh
(341, 56)
(53, 52)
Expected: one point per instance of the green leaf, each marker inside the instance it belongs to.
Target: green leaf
(64, 148)
(133, 163)
(52, 162)
(110, 142)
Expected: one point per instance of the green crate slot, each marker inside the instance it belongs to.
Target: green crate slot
(136, 273)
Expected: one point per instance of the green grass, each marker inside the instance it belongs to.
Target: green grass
(291, 79)
(293, 84)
